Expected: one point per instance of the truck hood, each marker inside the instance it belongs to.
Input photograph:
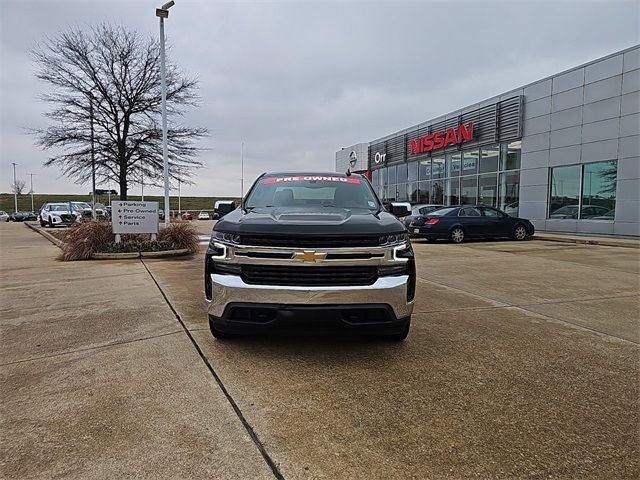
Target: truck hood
(305, 221)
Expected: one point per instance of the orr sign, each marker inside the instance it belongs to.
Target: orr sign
(441, 139)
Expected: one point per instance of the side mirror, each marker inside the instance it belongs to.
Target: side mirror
(399, 209)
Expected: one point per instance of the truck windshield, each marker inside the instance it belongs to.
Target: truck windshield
(351, 193)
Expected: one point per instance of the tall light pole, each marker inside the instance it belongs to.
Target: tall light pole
(241, 170)
(162, 13)
(15, 190)
(31, 175)
(93, 162)
(179, 209)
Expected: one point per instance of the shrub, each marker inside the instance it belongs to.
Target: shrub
(82, 240)
(180, 235)
(133, 246)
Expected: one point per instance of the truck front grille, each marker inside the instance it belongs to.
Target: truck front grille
(298, 241)
(309, 276)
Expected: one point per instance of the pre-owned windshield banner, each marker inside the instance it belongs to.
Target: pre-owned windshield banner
(310, 178)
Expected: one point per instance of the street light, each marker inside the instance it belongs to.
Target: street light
(31, 175)
(15, 190)
(162, 13)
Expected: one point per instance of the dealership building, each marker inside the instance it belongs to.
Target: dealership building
(562, 152)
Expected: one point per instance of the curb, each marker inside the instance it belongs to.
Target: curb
(113, 256)
(589, 241)
(57, 242)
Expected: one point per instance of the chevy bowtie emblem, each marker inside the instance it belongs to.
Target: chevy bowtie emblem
(310, 256)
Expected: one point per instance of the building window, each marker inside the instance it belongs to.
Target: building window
(375, 178)
(469, 162)
(599, 190)
(391, 172)
(437, 192)
(489, 159)
(509, 193)
(383, 177)
(425, 169)
(413, 172)
(402, 173)
(437, 167)
(565, 192)
(423, 192)
(510, 156)
(453, 164)
(468, 190)
(412, 191)
(452, 191)
(488, 188)
(584, 191)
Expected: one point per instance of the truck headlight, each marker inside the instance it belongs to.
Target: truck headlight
(231, 238)
(393, 239)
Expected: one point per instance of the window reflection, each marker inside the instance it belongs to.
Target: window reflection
(565, 192)
(437, 167)
(452, 191)
(488, 189)
(469, 162)
(509, 193)
(510, 156)
(489, 159)
(468, 190)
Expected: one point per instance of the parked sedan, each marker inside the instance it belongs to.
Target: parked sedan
(418, 210)
(458, 224)
(203, 216)
(187, 216)
(22, 217)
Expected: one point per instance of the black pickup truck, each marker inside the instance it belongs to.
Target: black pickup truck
(315, 251)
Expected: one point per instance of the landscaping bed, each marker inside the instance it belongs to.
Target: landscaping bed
(95, 240)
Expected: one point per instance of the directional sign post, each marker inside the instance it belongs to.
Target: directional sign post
(134, 217)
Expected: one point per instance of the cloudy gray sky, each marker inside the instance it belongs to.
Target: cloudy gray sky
(298, 80)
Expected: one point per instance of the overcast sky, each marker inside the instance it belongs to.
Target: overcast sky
(299, 80)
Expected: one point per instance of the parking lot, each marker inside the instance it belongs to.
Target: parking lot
(522, 361)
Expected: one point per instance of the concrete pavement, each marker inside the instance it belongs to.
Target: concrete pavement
(99, 380)
(522, 362)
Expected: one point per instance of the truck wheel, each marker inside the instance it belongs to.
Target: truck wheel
(42, 224)
(217, 333)
(399, 337)
(50, 223)
(457, 235)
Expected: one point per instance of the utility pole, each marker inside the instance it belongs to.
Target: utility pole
(142, 182)
(15, 191)
(241, 170)
(31, 175)
(179, 209)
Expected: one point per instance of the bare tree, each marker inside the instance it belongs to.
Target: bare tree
(112, 75)
(18, 186)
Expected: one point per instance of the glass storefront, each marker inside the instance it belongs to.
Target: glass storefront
(489, 175)
(584, 191)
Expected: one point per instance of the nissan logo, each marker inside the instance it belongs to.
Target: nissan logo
(353, 158)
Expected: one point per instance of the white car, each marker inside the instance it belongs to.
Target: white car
(84, 208)
(203, 216)
(53, 214)
(4, 216)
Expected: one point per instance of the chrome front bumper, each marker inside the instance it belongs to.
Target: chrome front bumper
(227, 289)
